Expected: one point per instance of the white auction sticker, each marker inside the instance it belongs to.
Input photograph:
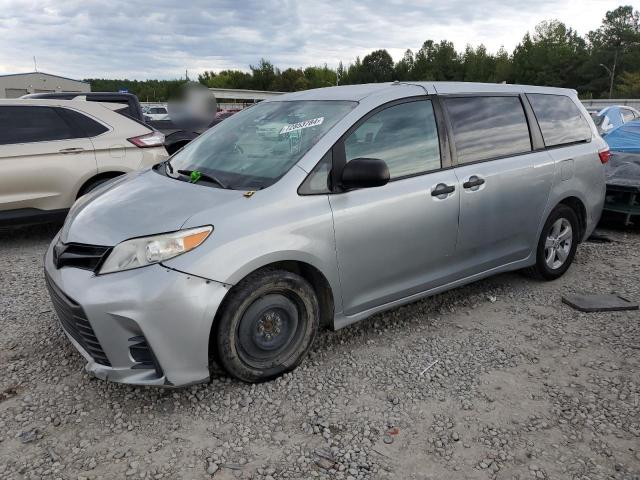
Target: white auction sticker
(300, 125)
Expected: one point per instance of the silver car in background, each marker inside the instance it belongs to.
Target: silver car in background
(321, 207)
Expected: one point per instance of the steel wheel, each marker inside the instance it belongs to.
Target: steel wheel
(266, 325)
(558, 243)
(267, 330)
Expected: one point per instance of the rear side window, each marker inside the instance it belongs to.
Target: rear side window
(560, 120)
(83, 126)
(404, 136)
(488, 127)
(20, 124)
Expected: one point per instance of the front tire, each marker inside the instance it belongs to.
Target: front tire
(557, 244)
(267, 325)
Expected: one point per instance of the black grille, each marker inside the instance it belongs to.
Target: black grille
(87, 257)
(75, 323)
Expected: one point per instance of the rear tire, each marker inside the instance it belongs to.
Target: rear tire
(267, 325)
(557, 244)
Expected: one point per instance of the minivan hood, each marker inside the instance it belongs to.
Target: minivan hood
(138, 204)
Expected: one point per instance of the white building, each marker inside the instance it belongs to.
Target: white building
(237, 99)
(16, 85)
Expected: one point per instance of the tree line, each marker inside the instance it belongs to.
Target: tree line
(604, 63)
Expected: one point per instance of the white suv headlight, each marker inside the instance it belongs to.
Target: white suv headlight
(139, 252)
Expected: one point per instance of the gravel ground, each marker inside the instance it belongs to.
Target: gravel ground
(519, 386)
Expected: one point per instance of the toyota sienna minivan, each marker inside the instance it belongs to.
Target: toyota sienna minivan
(321, 207)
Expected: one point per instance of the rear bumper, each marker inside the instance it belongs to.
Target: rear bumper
(148, 326)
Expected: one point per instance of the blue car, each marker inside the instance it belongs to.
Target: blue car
(614, 116)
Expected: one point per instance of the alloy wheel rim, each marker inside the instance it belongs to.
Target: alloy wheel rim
(558, 243)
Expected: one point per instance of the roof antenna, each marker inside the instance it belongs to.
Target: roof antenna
(35, 65)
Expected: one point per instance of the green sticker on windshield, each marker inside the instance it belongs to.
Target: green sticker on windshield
(195, 176)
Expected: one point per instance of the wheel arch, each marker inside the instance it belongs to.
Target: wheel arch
(311, 273)
(578, 206)
(100, 176)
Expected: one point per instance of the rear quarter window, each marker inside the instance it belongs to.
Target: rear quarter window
(560, 120)
(83, 126)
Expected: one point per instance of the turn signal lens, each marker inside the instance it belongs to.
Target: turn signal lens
(195, 239)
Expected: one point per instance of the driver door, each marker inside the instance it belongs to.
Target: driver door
(396, 240)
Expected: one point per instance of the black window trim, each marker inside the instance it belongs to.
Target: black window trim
(338, 153)
(560, 145)
(69, 119)
(535, 135)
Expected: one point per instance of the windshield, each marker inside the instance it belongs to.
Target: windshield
(254, 148)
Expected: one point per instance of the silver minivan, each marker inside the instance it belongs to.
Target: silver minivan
(321, 207)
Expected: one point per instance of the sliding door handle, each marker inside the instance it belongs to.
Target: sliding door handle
(474, 181)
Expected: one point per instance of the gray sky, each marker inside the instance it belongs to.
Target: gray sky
(161, 38)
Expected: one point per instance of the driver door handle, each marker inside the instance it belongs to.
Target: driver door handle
(72, 150)
(442, 189)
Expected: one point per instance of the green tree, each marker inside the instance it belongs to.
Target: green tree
(552, 56)
(629, 86)
(319, 77)
(504, 66)
(402, 69)
(227, 79)
(263, 76)
(437, 61)
(206, 77)
(614, 47)
(377, 67)
(290, 80)
(478, 65)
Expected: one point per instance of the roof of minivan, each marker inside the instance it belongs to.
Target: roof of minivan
(358, 92)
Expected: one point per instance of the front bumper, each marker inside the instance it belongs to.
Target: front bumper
(148, 326)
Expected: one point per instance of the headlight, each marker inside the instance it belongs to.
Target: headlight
(139, 252)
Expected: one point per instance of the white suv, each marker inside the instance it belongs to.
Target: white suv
(53, 151)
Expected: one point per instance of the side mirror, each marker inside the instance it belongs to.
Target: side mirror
(365, 173)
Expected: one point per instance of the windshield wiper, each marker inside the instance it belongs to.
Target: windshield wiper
(196, 175)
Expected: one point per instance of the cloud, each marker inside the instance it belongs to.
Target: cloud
(162, 38)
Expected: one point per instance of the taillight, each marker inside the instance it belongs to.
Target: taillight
(153, 139)
(605, 155)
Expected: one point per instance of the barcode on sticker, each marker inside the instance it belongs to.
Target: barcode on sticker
(300, 125)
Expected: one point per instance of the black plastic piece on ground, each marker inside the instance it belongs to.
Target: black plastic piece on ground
(598, 302)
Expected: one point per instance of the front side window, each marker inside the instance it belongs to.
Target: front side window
(254, 148)
(560, 120)
(21, 124)
(488, 127)
(405, 136)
